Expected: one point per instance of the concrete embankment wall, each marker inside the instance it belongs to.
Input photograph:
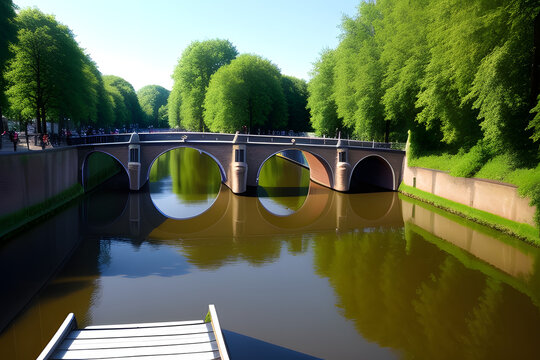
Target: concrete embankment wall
(493, 197)
(33, 178)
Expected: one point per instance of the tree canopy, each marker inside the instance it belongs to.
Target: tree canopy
(321, 102)
(457, 71)
(191, 78)
(49, 73)
(296, 92)
(127, 109)
(247, 92)
(153, 99)
(8, 34)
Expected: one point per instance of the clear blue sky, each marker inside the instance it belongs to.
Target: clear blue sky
(142, 40)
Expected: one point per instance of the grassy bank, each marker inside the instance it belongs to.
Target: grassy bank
(19, 219)
(523, 231)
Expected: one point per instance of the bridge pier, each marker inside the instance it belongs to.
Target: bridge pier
(343, 170)
(134, 162)
(239, 169)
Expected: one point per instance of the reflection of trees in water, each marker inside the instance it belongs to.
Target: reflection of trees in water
(412, 297)
(283, 181)
(213, 253)
(195, 176)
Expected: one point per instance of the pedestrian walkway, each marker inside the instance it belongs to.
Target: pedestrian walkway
(22, 146)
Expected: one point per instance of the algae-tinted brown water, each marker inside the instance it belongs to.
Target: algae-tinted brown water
(327, 274)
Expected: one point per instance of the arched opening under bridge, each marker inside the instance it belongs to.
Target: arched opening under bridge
(184, 182)
(372, 174)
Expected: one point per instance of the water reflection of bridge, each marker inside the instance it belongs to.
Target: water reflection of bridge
(235, 216)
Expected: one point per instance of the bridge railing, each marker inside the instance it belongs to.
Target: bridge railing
(97, 139)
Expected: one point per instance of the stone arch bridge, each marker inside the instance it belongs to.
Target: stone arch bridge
(332, 162)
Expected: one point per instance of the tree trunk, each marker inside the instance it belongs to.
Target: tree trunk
(38, 121)
(26, 134)
(387, 131)
(44, 120)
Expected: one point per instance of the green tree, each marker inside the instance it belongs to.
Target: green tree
(8, 34)
(104, 106)
(163, 116)
(296, 93)
(247, 92)
(152, 98)
(49, 74)
(191, 79)
(502, 88)
(321, 103)
(173, 108)
(126, 107)
(358, 75)
(404, 56)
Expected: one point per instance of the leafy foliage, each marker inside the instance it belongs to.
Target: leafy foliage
(51, 78)
(247, 92)
(358, 75)
(127, 109)
(452, 71)
(191, 79)
(296, 93)
(534, 125)
(152, 99)
(321, 102)
(8, 33)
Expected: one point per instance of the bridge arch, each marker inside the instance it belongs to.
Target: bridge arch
(320, 170)
(374, 170)
(222, 171)
(84, 166)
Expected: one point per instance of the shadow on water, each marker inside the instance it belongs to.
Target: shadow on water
(242, 347)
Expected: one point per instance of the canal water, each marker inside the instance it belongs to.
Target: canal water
(296, 271)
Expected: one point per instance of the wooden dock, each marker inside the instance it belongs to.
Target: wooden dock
(189, 340)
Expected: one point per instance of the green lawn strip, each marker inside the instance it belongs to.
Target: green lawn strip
(11, 222)
(524, 231)
(471, 262)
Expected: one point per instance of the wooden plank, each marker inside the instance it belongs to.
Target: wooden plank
(143, 325)
(217, 332)
(69, 323)
(117, 333)
(197, 356)
(136, 351)
(73, 344)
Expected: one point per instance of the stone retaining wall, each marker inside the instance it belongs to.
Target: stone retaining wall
(30, 178)
(486, 195)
